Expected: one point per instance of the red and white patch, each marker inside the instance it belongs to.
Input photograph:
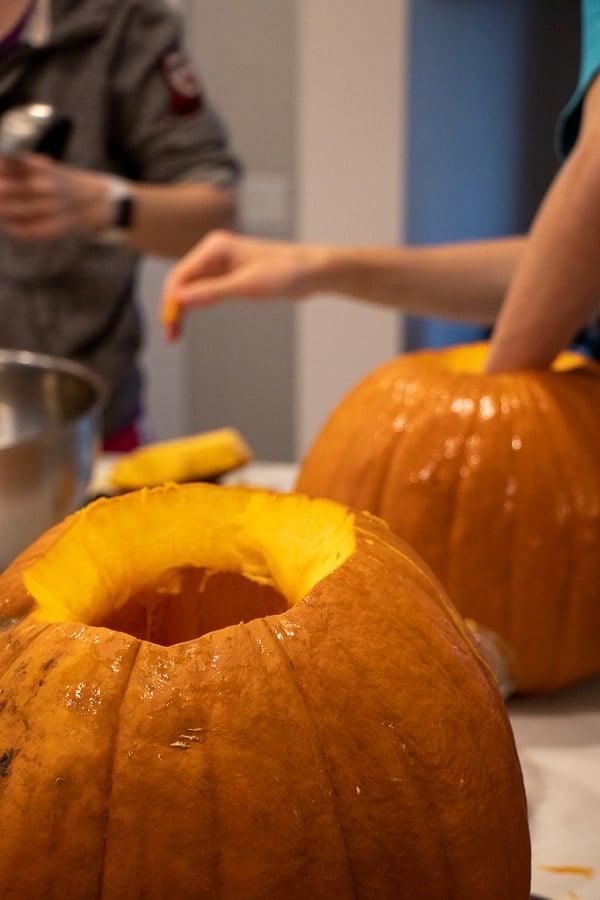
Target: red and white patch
(183, 85)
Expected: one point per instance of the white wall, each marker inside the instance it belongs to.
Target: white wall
(352, 65)
(234, 365)
(165, 365)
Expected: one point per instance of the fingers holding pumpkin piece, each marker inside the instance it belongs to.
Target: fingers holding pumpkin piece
(171, 316)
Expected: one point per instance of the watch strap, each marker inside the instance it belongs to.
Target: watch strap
(120, 196)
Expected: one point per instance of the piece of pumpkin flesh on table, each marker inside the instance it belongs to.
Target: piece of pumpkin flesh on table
(199, 457)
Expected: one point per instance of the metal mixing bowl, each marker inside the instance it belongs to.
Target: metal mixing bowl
(49, 435)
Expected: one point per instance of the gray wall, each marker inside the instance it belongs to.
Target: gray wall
(234, 365)
(240, 356)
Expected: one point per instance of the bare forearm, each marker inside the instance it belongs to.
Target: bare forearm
(465, 281)
(169, 219)
(41, 199)
(460, 281)
(558, 284)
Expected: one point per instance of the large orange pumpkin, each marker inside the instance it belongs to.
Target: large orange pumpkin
(495, 482)
(209, 692)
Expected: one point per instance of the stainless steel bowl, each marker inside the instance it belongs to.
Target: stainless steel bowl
(49, 434)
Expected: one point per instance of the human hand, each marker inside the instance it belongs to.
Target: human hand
(41, 199)
(227, 266)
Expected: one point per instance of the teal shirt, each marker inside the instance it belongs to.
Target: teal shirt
(588, 341)
(570, 119)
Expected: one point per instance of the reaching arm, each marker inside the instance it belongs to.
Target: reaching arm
(41, 199)
(557, 283)
(464, 281)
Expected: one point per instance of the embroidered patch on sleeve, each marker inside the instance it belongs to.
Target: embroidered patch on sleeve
(182, 83)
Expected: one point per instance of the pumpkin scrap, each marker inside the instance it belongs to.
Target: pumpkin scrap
(495, 482)
(195, 458)
(170, 313)
(211, 692)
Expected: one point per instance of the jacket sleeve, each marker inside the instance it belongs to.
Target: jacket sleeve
(163, 127)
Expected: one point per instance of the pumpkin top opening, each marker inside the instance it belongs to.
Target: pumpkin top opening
(113, 549)
(471, 358)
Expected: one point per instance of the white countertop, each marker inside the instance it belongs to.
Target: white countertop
(558, 740)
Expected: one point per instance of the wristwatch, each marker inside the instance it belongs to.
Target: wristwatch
(120, 197)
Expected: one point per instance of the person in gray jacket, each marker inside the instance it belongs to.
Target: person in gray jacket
(136, 161)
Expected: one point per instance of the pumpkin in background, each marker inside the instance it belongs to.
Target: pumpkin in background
(495, 481)
(211, 692)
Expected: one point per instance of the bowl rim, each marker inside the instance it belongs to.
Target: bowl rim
(57, 364)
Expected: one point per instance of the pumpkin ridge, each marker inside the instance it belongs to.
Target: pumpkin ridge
(513, 538)
(326, 768)
(561, 610)
(409, 787)
(340, 472)
(456, 503)
(457, 685)
(571, 596)
(565, 610)
(454, 582)
(381, 483)
(511, 546)
(417, 577)
(434, 820)
(446, 604)
(217, 863)
(454, 498)
(39, 629)
(110, 784)
(396, 453)
(395, 448)
(424, 580)
(392, 447)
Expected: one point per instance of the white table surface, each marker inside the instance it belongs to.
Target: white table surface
(558, 740)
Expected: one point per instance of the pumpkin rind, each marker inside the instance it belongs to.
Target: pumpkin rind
(495, 481)
(352, 746)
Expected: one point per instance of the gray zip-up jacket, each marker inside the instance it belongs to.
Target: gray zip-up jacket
(109, 67)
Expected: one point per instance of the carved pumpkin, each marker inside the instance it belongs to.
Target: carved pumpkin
(209, 692)
(495, 482)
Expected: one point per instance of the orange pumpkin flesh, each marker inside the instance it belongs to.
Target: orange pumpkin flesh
(198, 457)
(495, 482)
(338, 737)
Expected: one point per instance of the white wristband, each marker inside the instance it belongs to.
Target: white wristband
(120, 197)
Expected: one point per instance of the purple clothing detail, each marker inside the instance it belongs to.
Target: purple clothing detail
(11, 39)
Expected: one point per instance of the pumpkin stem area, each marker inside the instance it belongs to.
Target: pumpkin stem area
(173, 563)
(469, 359)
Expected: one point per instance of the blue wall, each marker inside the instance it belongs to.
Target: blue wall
(487, 80)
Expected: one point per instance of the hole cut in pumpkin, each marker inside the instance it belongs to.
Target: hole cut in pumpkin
(172, 563)
(469, 359)
(193, 602)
